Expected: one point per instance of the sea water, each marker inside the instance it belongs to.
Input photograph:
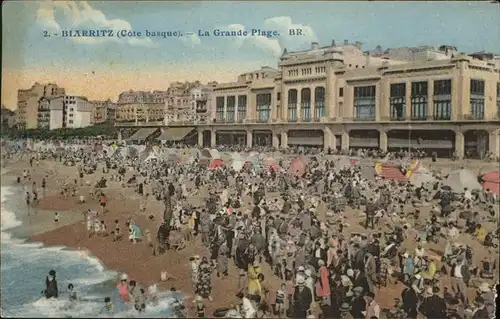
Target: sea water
(25, 265)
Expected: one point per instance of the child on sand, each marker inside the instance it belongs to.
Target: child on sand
(108, 307)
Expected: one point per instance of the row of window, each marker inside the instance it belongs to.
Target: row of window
(307, 71)
(229, 103)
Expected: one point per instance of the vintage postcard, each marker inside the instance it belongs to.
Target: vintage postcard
(250, 159)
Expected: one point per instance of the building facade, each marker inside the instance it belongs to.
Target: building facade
(71, 112)
(104, 111)
(340, 97)
(140, 106)
(7, 117)
(28, 103)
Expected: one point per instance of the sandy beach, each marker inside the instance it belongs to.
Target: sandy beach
(137, 260)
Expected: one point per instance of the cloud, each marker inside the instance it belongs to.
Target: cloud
(275, 45)
(80, 15)
(191, 39)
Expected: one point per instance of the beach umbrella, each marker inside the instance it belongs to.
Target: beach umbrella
(297, 167)
(493, 176)
(216, 163)
(214, 153)
(271, 164)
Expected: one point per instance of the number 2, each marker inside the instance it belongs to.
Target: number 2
(46, 34)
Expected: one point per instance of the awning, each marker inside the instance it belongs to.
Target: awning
(142, 134)
(363, 142)
(175, 134)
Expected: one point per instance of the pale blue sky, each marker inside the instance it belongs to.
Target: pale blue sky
(473, 26)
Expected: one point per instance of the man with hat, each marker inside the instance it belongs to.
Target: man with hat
(358, 303)
(372, 307)
(302, 299)
(484, 291)
(480, 312)
(433, 306)
(345, 309)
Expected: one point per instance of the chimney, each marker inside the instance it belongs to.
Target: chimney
(333, 43)
(314, 46)
(346, 42)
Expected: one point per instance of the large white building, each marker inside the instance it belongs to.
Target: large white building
(70, 112)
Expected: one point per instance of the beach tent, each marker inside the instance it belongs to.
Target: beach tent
(460, 179)
(421, 176)
(297, 167)
(491, 181)
(205, 153)
(215, 153)
(236, 156)
(389, 171)
(217, 162)
(239, 164)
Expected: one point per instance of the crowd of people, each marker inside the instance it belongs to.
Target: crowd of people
(299, 223)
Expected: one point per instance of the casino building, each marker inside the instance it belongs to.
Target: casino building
(341, 97)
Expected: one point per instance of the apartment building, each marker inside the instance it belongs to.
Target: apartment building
(28, 103)
(7, 117)
(71, 112)
(140, 106)
(341, 97)
(104, 111)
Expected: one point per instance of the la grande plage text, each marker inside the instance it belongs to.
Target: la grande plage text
(238, 33)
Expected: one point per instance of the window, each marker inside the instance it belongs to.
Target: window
(219, 108)
(305, 104)
(242, 107)
(419, 101)
(70, 121)
(71, 115)
(292, 105)
(263, 107)
(364, 103)
(442, 100)
(319, 100)
(341, 92)
(230, 111)
(398, 102)
(278, 96)
(477, 99)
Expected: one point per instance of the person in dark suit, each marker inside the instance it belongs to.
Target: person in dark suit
(51, 289)
(481, 312)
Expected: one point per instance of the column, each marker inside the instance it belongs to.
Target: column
(200, 138)
(236, 108)
(459, 144)
(276, 140)
(330, 93)
(408, 100)
(225, 109)
(284, 103)
(328, 138)
(299, 106)
(249, 138)
(213, 138)
(284, 139)
(494, 142)
(119, 136)
(345, 142)
(430, 99)
(313, 104)
(383, 140)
